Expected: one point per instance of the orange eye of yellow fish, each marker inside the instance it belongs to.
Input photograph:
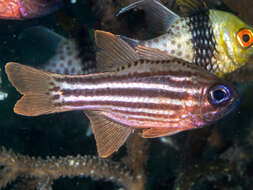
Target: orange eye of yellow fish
(245, 38)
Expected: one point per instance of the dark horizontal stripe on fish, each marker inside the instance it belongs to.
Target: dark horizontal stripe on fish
(89, 79)
(131, 92)
(129, 105)
(54, 89)
(194, 110)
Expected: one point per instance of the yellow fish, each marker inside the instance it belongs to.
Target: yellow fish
(218, 41)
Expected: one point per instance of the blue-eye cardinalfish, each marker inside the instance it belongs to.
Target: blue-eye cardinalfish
(27, 9)
(218, 41)
(159, 96)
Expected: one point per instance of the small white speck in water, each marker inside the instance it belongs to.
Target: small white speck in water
(3, 95)
(71, 162)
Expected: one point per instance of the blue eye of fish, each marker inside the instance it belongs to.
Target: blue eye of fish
(219, 94)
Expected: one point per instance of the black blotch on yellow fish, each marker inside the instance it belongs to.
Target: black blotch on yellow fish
(203, 39)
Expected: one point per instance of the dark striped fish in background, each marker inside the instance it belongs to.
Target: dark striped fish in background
(160, 97)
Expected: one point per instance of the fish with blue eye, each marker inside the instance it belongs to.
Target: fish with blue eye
(27, 9)
(127, 93)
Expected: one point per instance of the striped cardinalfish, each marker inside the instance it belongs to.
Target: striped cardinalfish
(218, 41)
(158, 97)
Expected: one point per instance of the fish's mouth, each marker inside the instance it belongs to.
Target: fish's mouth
(214, 116)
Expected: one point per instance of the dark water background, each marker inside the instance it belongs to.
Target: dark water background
(228, 143)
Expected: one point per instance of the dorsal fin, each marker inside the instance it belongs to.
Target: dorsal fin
(152, 54)
(145, 52)
(116, 52)
(113, 51)
(157, 15)
(132, 42)
(110, 136)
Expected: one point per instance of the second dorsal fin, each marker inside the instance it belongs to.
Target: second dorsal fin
(113, 51)
(152, 54)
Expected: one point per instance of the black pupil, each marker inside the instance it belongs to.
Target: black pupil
(245, 37)
(219, 95)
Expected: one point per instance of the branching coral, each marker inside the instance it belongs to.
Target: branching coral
(40, 173)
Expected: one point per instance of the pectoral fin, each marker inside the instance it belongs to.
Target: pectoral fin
(157, 15)
(160, 132)
(110, 136)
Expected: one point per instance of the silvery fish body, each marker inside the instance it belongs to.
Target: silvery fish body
(160, 97)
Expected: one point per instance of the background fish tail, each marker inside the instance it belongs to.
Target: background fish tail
(36, 86)
(74, 56)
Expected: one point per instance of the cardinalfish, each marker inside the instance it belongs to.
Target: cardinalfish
(27, 9)
(218, 41)
(158, 97)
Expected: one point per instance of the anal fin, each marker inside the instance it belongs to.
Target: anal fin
(160, 132)
(110, 136)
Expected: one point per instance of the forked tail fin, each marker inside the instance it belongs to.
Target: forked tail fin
(38, 88)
